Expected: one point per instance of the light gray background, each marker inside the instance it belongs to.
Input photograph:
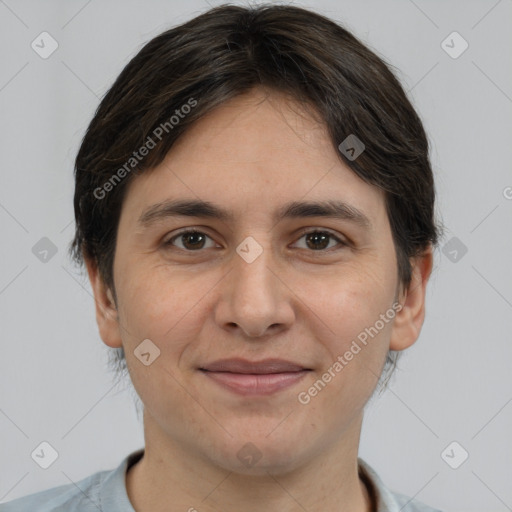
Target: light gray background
(454, 384)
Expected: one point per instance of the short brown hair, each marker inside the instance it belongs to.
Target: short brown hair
(225, 52)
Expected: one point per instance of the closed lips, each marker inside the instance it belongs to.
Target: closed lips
(266, 366)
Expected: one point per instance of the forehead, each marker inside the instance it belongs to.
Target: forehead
(259, 126)
(253, 154)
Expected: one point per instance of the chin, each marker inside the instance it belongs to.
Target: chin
(258, 454)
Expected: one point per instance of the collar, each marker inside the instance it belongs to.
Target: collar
(114, 496)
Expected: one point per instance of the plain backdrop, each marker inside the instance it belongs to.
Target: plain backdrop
(453, 385)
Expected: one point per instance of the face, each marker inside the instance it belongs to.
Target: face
(256, 286)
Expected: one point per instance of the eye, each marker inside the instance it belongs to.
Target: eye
(193, 240)
(318, 240)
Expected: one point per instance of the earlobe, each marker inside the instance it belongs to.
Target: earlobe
(106, 310)
(409, 320)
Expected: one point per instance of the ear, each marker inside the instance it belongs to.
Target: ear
(409, 320)
(106, 310)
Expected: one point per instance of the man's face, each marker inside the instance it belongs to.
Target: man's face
(253, 287)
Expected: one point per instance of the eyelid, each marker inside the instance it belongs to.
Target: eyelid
(309, 230)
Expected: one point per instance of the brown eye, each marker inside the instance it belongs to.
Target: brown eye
(319, 240)
(192, 240)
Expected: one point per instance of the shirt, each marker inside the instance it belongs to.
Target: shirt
(105, 491)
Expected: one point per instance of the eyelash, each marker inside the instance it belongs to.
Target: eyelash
(169, 242)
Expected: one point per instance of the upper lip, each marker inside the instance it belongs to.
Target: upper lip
(258, 367)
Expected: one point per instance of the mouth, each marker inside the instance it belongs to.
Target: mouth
(254, 378)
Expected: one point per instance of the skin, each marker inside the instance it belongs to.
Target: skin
(295, 301)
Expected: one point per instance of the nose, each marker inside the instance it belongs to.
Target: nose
(254, 297)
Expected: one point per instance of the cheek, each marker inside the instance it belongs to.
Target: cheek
(353, 308)
(353, 301)
(161, 306)
(164, 309)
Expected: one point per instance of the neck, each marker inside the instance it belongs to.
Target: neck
(169, 473)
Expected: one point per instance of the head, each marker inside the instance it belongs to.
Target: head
(248, 109)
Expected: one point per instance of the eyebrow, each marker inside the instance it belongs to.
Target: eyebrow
(293, 210)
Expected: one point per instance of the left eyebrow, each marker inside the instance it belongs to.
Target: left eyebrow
(293, 210)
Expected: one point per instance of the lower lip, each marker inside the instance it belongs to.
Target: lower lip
(253, 384)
